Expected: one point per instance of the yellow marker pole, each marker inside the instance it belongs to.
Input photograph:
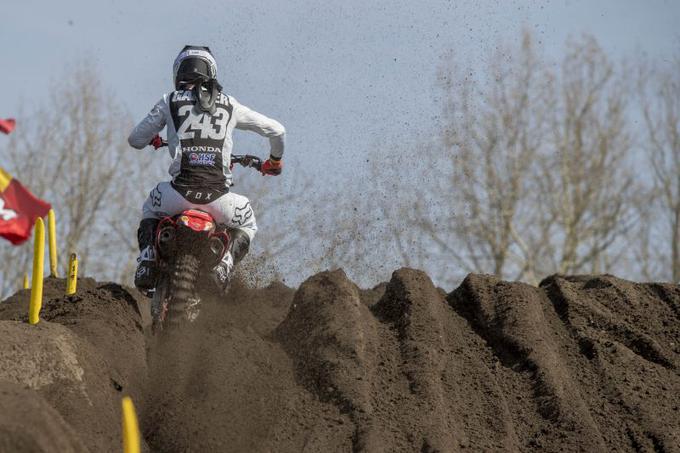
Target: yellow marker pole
(26, 284)
(131, 438)
(52, 235)
(38, 263)
(72, 279)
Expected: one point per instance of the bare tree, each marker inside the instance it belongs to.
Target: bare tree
(73, 153)
(660, 91)
(587, 190)
(539, 173)
(493, 133)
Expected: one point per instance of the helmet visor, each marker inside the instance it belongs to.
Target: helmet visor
(192, 69)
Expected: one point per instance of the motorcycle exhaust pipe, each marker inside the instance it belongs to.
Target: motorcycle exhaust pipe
(166, 239)
(217, 250)
(217, 247)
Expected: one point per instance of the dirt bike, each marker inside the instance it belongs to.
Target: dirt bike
(189, 244)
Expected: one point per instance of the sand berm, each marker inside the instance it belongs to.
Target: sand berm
(579, 363)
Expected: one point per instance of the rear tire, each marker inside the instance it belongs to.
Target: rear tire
(182, 287)
(159, 303)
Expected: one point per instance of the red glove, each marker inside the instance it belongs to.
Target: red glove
(156, 142)
(272, 167)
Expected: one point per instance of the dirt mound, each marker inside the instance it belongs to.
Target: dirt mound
(575, 356)
(224, 385)
(85, 353)
(29, 424)
(587, 363)
(68, 372)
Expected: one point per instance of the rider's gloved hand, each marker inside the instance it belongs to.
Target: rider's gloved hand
(156, 142)
(272, 166)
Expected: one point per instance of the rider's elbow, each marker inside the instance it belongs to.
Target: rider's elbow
(278, 130)
(135, 142)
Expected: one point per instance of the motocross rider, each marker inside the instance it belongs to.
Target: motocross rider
(200, 120)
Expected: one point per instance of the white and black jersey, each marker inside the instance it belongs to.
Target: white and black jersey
(200, 143)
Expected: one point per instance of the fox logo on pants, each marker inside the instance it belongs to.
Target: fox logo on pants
(242, 214)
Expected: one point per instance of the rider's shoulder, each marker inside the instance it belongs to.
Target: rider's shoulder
(230, 99)
(235, 104)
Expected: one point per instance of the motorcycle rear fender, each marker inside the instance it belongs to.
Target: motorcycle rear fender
(198, 222)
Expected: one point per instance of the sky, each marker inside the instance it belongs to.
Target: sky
(344, 77)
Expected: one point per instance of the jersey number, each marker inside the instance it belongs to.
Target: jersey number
(211, 127)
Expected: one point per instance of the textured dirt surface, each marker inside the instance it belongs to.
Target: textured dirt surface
(86, 352)
(28, 423)
(582, 363)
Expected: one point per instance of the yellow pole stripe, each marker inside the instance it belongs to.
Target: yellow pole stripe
(131, 436)
(38, 262)
(72, 277)
(52, 237)
(5, 179)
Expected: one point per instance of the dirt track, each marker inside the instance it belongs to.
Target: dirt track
(587, 363)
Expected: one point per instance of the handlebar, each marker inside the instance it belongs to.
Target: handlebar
(245, 160)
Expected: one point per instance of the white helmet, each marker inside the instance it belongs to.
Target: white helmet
(194, 63)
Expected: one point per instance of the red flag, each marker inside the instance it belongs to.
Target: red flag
(7, 126)
(19, 209)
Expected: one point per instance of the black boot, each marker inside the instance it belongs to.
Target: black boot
(239, 243)
(146, 274)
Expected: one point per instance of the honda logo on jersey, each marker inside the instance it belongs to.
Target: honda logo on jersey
(203, 149)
